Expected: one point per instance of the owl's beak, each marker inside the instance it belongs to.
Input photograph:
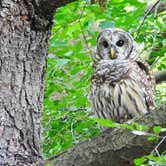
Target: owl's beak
(112, 53)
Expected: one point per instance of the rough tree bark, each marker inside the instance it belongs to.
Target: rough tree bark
(24, 32)
(25, 28)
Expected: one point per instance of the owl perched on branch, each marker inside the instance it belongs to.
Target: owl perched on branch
(122, 86)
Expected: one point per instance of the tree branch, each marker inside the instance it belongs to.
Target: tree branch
(41, 12)
(113, 146)
(47, 7)
(146, 14)
(160, 76)
(161, 7)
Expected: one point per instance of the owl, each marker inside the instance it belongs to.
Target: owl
(122, 85)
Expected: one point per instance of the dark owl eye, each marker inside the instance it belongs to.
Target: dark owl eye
(120, 43)
(105, 44)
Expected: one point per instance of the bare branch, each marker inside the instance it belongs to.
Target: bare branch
(158, 145)
(113, 146)
(146, 14)
(161, 7)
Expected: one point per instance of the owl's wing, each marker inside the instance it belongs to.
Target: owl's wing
(146, 67)
(150, 89)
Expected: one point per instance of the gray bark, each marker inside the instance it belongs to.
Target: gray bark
(114, 147)
(24, 34)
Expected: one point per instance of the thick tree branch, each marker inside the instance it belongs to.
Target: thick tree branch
(113, 146)
(41, 12)
(47, 7)
(160, 76)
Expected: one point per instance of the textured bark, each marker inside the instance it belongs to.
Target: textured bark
(24, 34)
(114, 147)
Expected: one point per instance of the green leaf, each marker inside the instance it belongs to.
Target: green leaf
(48, 164)
(127, 126)
(139, 161)
(105, 122)
(157, 129)
(138, 126)
(152, 138)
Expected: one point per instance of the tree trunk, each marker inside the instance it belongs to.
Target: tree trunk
(24, 32)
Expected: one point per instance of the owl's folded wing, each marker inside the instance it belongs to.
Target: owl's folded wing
(150, 80)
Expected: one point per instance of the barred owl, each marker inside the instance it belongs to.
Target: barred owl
(122, 85)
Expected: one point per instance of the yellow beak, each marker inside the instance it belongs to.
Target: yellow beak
(112, 53)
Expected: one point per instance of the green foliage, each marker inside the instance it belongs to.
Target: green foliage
(157, 129)
(151, 159)
(48, 164)
(106, 122)
(68, 118)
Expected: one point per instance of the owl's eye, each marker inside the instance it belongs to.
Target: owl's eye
(120, 43)
(105, 44)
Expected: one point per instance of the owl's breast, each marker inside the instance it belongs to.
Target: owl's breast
(118, 102)
(101, 97)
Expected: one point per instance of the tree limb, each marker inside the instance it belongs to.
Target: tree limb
(47, 7)
(41, 12)
(113, 146)
(160, 76)
(146, 14)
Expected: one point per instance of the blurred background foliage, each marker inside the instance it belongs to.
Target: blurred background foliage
(67, 108)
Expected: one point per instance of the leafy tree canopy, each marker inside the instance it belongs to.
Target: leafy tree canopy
(67, 110)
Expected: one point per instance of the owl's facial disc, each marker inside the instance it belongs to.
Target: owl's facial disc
(114, 44)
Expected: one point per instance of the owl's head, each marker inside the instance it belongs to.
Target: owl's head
(115, 43)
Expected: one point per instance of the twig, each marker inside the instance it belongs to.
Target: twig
(155, 31)
(157, 146)
(146, 14)
(155, 27)
(83, 34)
